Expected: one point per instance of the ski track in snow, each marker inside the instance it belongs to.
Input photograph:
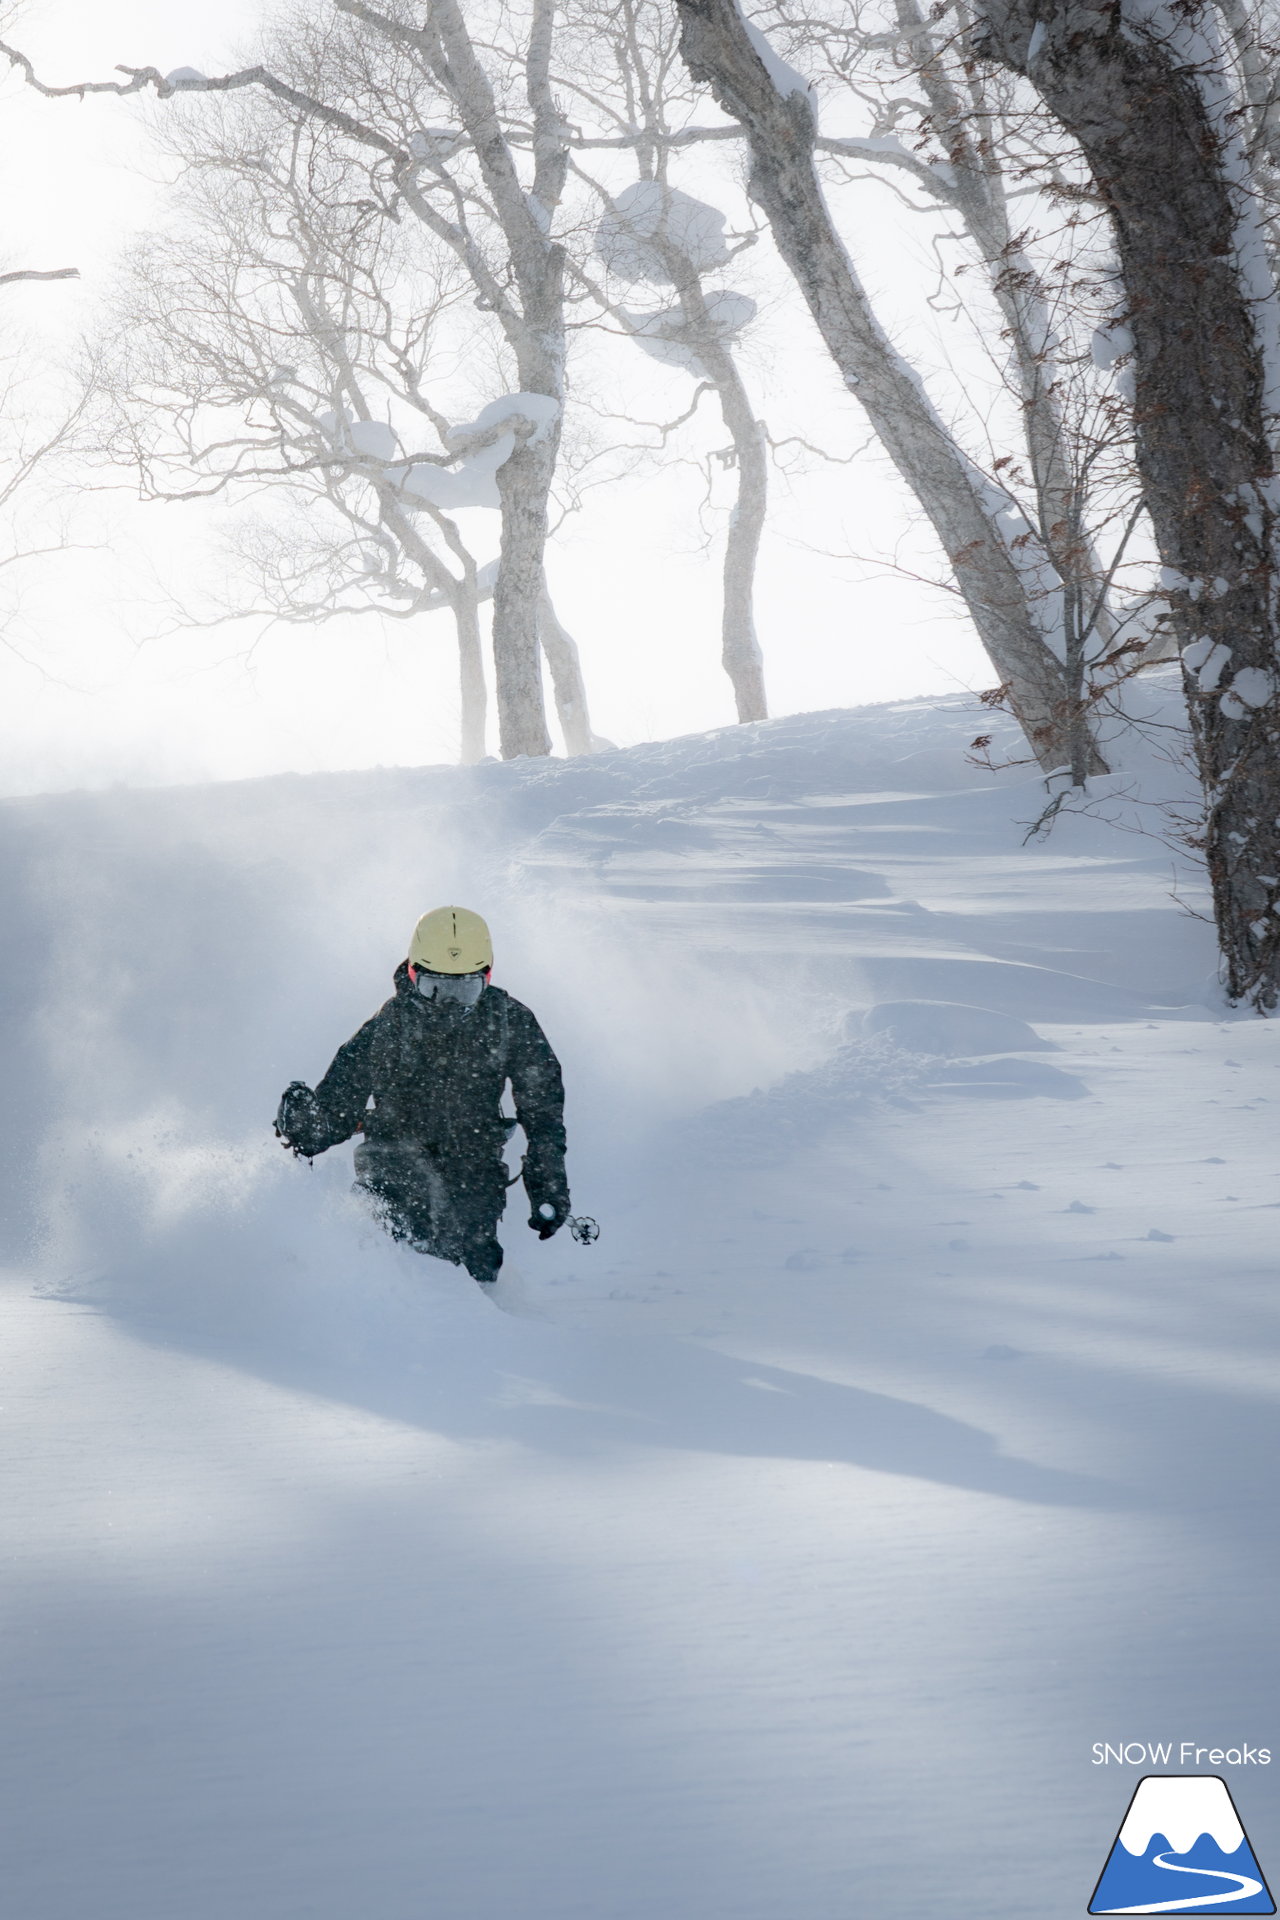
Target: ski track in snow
(910, 1428)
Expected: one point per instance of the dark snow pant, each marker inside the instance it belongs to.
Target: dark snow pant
(449, 1208)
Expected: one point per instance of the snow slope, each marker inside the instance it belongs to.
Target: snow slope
(910, 1428)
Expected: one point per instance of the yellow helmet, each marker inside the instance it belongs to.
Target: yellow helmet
(451, 940)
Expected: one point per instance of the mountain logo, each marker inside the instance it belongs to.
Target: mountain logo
(1181, 1849)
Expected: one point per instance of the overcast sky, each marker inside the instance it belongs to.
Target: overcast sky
(104, 687)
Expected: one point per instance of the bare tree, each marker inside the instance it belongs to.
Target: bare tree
(43, 433)
(654, 235)
(1254, 34)
(1155, 104)
(278, 337)
(972, 150)
(1001, 569)
(522, 284)
(43, 426)
(460, 131)
(622, 79)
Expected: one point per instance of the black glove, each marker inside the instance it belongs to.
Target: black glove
(299, 1121)
(549, 1216)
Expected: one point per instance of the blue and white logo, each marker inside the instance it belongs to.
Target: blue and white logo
(1181, 1849)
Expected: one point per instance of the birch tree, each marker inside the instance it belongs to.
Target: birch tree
(1003, 572)
(42, 437)
(1154, 99)
(630, 100)
(656, 238)
(971, 150)
(39, 430)
(459, 131)
(276, 338)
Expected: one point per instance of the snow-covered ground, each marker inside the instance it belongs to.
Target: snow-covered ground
(910, 1428)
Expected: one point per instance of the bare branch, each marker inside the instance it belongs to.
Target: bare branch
(141, 78)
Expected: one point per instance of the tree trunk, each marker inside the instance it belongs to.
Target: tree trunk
(960, 504)
(561, 652)
(1161, 149)
(979, 192)
(459, 592)
(740, 649)
(740, 653)
(473, 695)
(523, 484)
(527, 298)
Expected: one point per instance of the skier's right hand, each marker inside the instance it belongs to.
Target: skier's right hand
(299, 1122)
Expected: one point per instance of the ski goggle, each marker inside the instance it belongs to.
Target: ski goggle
(461, 989)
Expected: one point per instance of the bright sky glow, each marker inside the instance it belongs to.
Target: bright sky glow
(104, 685)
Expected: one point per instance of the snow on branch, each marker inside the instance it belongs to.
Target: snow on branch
(785, 78)
(36, 273)
(668, 336)
(647, 219)
(464, 477)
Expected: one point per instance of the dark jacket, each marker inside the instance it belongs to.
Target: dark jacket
(437, 1076)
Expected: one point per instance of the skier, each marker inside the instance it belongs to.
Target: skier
(423, 1081)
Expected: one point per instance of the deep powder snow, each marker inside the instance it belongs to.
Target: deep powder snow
(910, 1428)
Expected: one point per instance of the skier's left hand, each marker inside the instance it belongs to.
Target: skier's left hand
(549, 1216)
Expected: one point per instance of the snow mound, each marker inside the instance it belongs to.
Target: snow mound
(882, 1069)
(762, 1128)
(1005, 1079)
(947, 1028)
